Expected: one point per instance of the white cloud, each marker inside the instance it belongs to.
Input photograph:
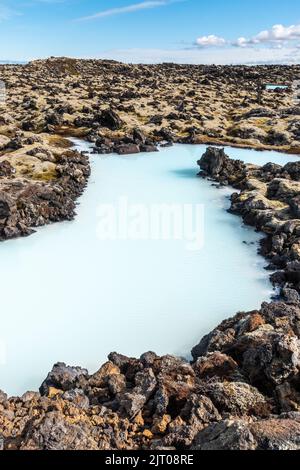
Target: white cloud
(221, 56)
(277, 35)
(210, 41)
(241, 42)
(147, 5)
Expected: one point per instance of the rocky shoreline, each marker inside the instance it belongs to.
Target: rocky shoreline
(26, 204)
(269, 200)
(125, 109)
(242, 389)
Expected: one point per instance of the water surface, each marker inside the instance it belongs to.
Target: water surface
(275, 87)
(68, 296)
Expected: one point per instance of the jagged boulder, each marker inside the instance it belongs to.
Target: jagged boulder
(236, 398)
(264, 345)
(7, 205)
(110, 119)
(215, 365)
(216, 164)
(62, 377)
(295, 206)
(271, 434)
(293, 170)
(127, 149)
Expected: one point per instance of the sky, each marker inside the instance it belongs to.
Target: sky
(151, 31)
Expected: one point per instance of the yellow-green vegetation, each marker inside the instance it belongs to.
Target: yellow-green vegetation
(46, 173)
(58, 141)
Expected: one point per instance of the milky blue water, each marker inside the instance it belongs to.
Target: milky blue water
(67, 295)
(274, 87)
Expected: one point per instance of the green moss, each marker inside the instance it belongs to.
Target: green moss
(45, 175)
(59, 142)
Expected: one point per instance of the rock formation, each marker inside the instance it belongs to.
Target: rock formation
(240, 392)
(268, 199)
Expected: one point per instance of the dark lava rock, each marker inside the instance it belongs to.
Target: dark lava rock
(15, 143)
(62, 377)
(6, 169)
(267, 356)
(148, 148)
(7, 206)
(138, 136)
(293, 169)
(272, 434)
(277, 138)
(291, 296)
(217, 164)
(111, 120)
(127, 149)
(215, 365)
(226, 435)
(295, 206)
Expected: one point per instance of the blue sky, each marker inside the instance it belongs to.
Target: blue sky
(196, 31)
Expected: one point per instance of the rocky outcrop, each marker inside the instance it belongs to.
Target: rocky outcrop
(127, 149)
(281, 433)
(110, 119)
(261, 348)
(129, 145)
(63, 377)
(268, 199)
(265, 348)
(28, 203)
(216, 164)
(241, 392)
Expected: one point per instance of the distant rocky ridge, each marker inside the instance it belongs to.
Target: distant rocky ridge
(242, 389)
